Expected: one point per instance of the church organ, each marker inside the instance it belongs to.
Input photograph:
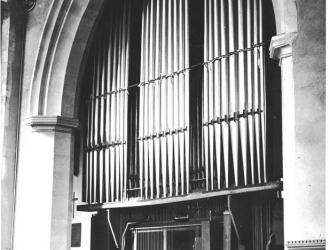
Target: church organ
(173, 115)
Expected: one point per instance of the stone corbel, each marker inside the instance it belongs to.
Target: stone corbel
(281, 45)
(53, 123)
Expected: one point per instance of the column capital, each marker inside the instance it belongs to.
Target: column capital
(281, 45)
(53, 123)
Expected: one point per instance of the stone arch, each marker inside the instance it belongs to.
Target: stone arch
(61, 51)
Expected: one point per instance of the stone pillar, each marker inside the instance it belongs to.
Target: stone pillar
(44, 185)
(13, 20)
(303, 187)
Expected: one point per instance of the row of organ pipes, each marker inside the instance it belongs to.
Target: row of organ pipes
(233, 91)
(164, 103)
(233, 103)
(107, 123)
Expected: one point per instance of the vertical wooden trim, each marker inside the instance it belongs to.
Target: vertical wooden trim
(206, 237)
(226, 230)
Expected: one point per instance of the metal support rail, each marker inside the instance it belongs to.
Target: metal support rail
(268, 187)
(236, 116)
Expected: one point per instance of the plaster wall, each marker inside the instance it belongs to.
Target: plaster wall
(305, 180)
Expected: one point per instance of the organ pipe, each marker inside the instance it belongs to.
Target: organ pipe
(224, 91)
(256, 87)
(205, 98)
(146, 104)
(141, 116)
(262, 92)
(170, 96)
(217, 97)
(157, 100)
(186, 93)
(211, 90)
(249, 89)
(242, 89)
(232, 111)
(175, 95)
(151, 103)
(164, 97)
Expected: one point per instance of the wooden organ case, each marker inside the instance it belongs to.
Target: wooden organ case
(177, 154)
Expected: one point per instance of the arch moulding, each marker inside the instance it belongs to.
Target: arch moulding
(54, 87)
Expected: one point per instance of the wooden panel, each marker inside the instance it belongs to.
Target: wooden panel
(76, 235)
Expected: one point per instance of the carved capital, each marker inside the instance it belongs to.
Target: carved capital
(53, 123)
(281, 45)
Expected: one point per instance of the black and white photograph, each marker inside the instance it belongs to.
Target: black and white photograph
(164, 125)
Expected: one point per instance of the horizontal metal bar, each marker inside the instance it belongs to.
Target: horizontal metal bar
(217, 58)
(105, 145)
(163, 133)
(161, 228)
(198, 180)
(133, 189)
(105, 94)
(133, 176)
(138, 202)
(235, 117)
